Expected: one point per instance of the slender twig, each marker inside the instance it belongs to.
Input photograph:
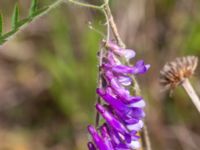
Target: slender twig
(100, 55)
(192, 94)
(87, 5)
(84, 4)
(97, 118)
(108, 26)
(146, 137)
(113, 26)
(100, 84)
(52, 6)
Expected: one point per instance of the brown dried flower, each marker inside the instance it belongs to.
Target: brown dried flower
(175, 72)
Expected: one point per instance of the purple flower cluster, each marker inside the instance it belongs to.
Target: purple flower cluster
(121, 111)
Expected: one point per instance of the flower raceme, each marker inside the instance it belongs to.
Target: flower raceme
(122, 112)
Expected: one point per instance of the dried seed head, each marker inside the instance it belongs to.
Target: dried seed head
(175, 72)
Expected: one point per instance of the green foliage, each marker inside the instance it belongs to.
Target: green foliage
(17, 24)
(33, 8)
(15, 17)
(192, 40)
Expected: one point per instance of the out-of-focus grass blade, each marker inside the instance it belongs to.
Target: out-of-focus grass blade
(15, 17)
(33, 8)
(1, 24)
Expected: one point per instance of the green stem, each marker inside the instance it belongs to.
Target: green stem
(50, 7)
(89, 5)
(84, 4)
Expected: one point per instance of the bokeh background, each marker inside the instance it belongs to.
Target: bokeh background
(48, 73)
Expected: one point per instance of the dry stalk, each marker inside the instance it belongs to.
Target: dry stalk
(191, 93)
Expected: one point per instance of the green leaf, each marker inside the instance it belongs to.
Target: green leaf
(17, 24)
(33, 8)
(1, 24)
(15, 17)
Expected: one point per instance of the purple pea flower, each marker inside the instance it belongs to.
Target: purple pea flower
(122, 112)
(91, 146)
(97, 139)
(111, 120)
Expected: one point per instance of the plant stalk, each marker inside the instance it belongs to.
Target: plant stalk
(113, 26)
(192, 94)
(50, 7)
(98, 101)
(147, 143)
(84, 4)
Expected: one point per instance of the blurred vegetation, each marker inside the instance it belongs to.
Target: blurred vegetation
(48, 73)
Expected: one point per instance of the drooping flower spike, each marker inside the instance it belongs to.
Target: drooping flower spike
(122, 112)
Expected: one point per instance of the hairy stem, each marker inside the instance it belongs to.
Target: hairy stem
(113, 25)
(76, 2)
(108, 26)
(192, 94)
(84, 4)
(146, 138)
(100, 84)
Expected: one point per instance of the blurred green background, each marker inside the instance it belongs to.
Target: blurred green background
(48, 74)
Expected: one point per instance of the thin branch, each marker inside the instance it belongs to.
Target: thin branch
(100, 84)
(84, 4)
(97, 118)
(113, 26)
(88, 5)
(108, 26)
(146, 138)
